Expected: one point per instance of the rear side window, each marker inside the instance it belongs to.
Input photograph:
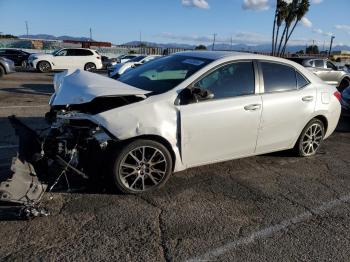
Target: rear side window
(79, 52)
(319, 63)
(301, 81)
(278, 77)
(236, 79)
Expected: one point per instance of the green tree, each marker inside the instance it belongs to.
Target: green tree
(289, 15)
(200, 47)
(312, 49)
(301, 9)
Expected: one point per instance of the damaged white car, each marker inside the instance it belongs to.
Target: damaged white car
(185, 110)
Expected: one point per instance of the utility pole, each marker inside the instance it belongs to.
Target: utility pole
(213, 42)
(231, 44)
(324, 44)
(140, 49)
(27, 28)
(90, 34)
(330, 47)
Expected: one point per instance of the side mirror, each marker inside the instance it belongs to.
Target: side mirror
(200, 94)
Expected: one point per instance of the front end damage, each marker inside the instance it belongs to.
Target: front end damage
(67, 150)
(74, 147)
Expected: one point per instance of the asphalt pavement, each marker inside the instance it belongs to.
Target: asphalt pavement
(275, 207)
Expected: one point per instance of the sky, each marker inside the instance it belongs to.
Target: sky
(173, 21)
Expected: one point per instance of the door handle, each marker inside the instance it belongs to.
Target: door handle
(308, 98)
(252, 107)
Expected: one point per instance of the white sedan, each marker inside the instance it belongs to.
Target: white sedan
(189, 109)
(66, 58)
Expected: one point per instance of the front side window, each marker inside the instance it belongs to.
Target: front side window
(62, 52)
(231, 80)
(161, 75)
(278, 77)
(331, 66)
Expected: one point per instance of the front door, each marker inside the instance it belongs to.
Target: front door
(225, 126)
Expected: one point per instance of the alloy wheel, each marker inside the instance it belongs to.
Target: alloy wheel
(143, 168)
(44, 67)
(90, 67)
(312, 139)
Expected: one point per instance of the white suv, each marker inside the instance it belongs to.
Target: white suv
(66, 58)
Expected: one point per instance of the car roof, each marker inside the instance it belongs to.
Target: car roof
(216, 55)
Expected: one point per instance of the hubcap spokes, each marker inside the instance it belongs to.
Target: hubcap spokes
(143, 168)
(312, 139)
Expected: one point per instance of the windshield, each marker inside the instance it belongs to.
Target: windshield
(56, 51)
(137, 59)
(163, 74)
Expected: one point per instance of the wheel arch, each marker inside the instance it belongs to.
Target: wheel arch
(4, 68)
(89, 63)
(324, 120)
(158, 139)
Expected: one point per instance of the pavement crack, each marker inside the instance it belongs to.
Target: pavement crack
(163, 244)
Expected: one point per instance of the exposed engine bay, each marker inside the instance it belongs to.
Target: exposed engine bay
(64, 150)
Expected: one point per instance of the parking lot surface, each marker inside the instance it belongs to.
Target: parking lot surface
(274, 207)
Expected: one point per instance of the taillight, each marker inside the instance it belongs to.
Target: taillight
(337, 94)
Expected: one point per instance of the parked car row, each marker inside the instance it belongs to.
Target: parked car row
(117, 70)
(326, 70)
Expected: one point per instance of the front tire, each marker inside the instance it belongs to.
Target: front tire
(44, 67)
(2, 72)
(310, 139)
(24, 64)
(141, 166)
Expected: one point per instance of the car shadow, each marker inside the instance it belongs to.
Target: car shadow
(32, 89)
(209, 178)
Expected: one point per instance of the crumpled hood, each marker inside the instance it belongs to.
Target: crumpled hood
(81, 87)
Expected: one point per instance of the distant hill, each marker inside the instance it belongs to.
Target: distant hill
(218, 46)
(237, 47)
(52, 37)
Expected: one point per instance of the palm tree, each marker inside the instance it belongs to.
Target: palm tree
(301, 10)
(289, 18)
(282, 8)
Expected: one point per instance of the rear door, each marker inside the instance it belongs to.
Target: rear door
(288, 102)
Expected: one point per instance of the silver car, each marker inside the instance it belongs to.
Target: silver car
(185, 110)
(7, 66)
(327, 71)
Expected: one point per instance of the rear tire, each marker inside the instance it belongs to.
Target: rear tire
(141, 166)
(44, 67)
(310, 139)
(90, 67)
(2, 72)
